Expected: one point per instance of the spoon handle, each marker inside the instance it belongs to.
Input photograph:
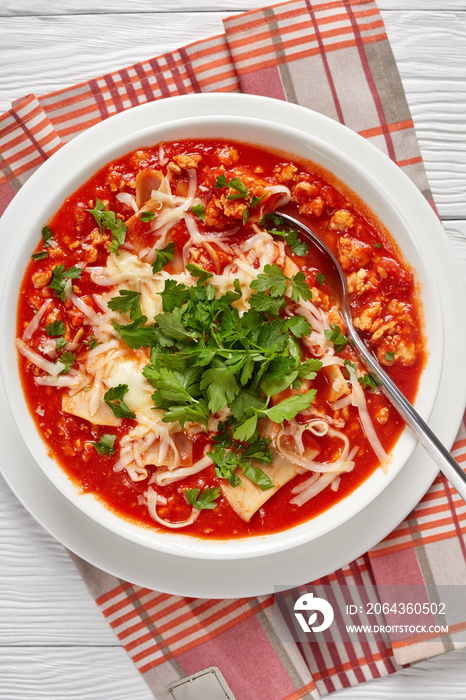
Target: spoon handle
(449, 466)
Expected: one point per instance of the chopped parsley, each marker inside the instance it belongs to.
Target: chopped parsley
(114, 400)
(40, 255)
(320, 278)
(163, 257)
(105, 446)
(127, 301)
(389, 356)
(202, 501)
(235, 183)
(55, 328)
(336, 337)
(108, 219)
(198, 210)
(147, 216)
(67, 359)
(47, 236)
(60, 282)
(377, 245)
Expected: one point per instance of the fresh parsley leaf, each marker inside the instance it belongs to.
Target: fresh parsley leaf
(174, 295)
(378, 245)
(172, 325)
(389, 356)
(369, 381)
(266, 304)
(199, 272)
(40, 255)
(164, 256)
(68, 359)
(320, 278)
(55, 328)
(298, 325)
(47, 236)
(300, 287)
(108, 219)
(235, 184)
(202, 501)
(246, 430)
(289, 408)
(147, 216)
(60, 278)
(297, 246)
(309, 367)
(91, 342)
(198, 210)
(221, 181)
(60, 343)
(239, 186)
(114, 399)
(221, 387)
(226, 462)
(272, 280)
(257, 476)
(199, 413)
(136, 334)
(336, 337)
(105, 444)
(127, 301)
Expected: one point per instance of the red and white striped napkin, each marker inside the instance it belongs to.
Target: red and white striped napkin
(333, 57)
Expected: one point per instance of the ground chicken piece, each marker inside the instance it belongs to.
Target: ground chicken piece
(228, 156)
(174, 167)
(382, 415)
(405, 351)
(341, 220)
(357, 282)
(90, 255)
(313, 208)
(388, 328)
(329, 195)
(304, 191)
(233, 208)
(41, 278)
(199, 257)
(318, 297)
(365, 320)
(214, 214)
(353, 253)
(188, 160)
(285, 173)
(98, 237)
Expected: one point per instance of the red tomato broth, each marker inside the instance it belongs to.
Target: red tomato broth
(94, 473)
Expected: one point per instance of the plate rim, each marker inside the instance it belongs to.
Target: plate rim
(244, 104)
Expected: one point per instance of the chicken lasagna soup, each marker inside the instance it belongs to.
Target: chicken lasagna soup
(181, 349)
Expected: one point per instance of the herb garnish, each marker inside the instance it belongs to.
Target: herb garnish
(114, 399)
(60, 278)
(336, 337)
(105, 444)
(202, 501)
(108, 219)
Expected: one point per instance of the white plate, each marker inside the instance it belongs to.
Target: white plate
(257, 576)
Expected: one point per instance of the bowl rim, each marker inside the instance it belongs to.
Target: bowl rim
(215, 552)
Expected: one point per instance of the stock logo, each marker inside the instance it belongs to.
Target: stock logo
(307, 603)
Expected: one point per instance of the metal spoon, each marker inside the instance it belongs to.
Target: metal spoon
(455, 475)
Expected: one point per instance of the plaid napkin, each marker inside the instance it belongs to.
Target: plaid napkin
(333, 57)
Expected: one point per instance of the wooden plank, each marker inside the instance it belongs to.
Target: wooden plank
(58, 673)
(428, 46)
(73, 7)
(43, 600)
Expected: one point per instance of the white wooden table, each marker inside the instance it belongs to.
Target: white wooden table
(54, 643)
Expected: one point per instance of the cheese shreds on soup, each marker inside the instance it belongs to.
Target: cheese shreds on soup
(182, 351)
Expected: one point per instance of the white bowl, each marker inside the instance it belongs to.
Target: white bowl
(73, 165)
